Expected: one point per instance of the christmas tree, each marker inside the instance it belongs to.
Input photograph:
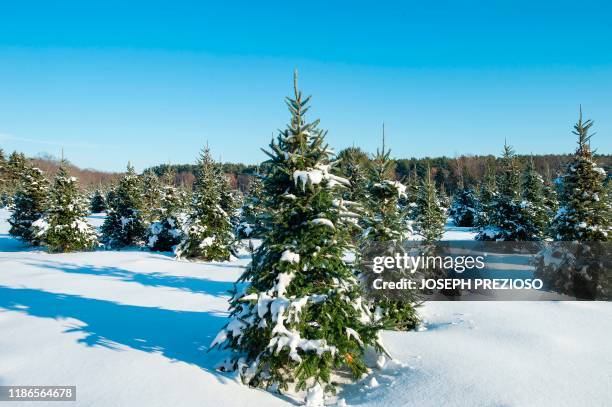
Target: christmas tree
(29, 204)
(151, 196)
(579, 263)
(386, 228)
(301, 317)
(4, 193)
(64, 227)
(228, 200)
(505, 221)
(14, 169)
(533, 207)
(124, 224)
(464, 208)
(98, 202)
(353, 166)
(487, 194)
(429, 214)
(252, 221)
(165, 232)
(413, 189)
(207, 229)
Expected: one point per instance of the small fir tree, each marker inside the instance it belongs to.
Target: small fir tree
(124, 224)
(165, 232)
(386, 228)
(534, 210)
(207, 230)
(252, 222)
(430, 216)
(300, 319)
(151, 197)
(579, 263)
(228, 199)
(98, 202)
(487, 195)
(64, 227)
(506, 221)
(464, 209)
(29, 204)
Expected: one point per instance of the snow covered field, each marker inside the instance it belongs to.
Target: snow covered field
(131, 328)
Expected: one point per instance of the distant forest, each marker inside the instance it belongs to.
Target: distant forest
(448, 172)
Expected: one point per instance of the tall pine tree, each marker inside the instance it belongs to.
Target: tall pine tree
(429, 214)
(207, 232)
(533, 207)
(29, 204)
(579, 262)
(64, 227)
(386, 228)
(165, 231)
(505, 221)
(301, 317)
(125, 224)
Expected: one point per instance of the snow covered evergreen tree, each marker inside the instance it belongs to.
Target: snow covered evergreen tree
(486, 197)
(151, 196)
(207, 232)
(165, 231)
(15, 167)
(3, 180)
(535, 213)
(29, 204)
(64, 227)
(228, 199)
(353, 166)
(464, 208)
(429, 215)
(124, 224)
(252, 215)
(579, 262)
(506, 221)
(300, 319)
(413, 188)
(98, 202)
(386, 228)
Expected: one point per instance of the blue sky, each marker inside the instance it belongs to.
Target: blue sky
(151, 82)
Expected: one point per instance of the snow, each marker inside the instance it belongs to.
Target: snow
(132, 328)
(290, 257)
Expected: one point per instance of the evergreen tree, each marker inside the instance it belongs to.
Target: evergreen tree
(4, 193)
(386, 228)
(165, 232)
(207, 230)
(506, 221)
(464, 209)
(353, 165)
(98, 202)
(124, 224)
(413, 189)
(444, 199)
(300, 318)
(430, 216)
(534, 210)
(486, 196)
(29, 204)
(64, 227)
(151, 197)
(228, 201)
(252, 221)
(579, 263)
(14, 170)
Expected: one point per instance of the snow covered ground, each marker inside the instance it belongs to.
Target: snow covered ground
(131, 328)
